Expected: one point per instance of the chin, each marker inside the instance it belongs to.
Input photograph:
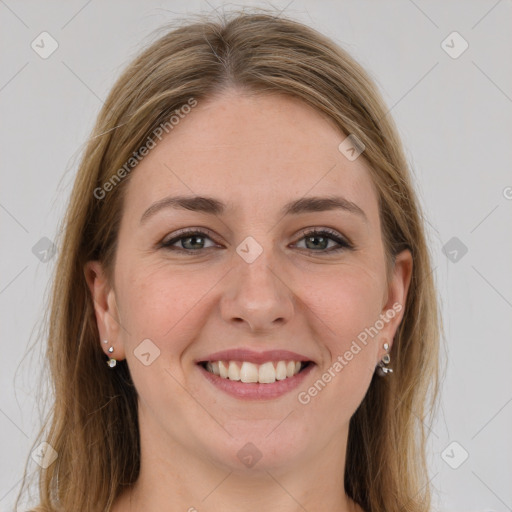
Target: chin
(258, 450)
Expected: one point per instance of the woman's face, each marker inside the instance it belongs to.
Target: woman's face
(253, 281)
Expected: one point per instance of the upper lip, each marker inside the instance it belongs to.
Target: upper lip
(241, 354)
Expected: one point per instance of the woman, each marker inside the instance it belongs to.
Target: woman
(243, 316)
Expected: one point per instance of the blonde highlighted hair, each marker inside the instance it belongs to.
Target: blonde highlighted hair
(93, 422)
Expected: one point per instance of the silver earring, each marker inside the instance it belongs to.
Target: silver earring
(112, 361)
(382, 369)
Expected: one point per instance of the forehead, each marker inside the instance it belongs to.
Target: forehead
(253, 152)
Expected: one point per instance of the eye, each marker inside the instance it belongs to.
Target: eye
(190, 240)
(317, 240)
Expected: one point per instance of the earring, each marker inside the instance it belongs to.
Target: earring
(382, 369)
(111, 362)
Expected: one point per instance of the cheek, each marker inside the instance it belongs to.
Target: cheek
(344, 307)
(167, 306)
(346, 303)
(347, 300)
(163, 303)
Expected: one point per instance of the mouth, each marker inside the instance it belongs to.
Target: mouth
(250, 373)
(247, 374)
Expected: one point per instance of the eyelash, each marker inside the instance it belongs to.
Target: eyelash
(332, 235)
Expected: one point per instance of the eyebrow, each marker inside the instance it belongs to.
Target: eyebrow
(212, 206)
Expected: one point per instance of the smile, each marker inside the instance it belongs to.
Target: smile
(244, 371)
(249, 381)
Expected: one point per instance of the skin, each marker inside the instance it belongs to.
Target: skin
(257, 152)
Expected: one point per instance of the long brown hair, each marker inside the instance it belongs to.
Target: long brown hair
(93, 424)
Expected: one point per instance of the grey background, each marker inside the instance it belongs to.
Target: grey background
(455, 118)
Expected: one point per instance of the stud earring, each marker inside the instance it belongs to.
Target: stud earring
(112, 361)
(382, 369)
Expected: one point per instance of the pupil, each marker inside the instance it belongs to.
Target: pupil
(195, 237)
(323, 239)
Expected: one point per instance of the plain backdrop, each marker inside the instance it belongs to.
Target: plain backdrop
(453, 108)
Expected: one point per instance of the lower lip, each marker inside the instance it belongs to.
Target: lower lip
(256, 390)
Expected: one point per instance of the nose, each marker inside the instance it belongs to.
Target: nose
(257, 295)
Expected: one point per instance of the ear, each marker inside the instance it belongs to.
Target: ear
(105, 308)
(394, 303)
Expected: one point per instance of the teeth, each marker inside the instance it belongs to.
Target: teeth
(248, 372)
(233, 371)
(245, 371)
(281, 370)
(223, 369)
(215, 367)
(267, 373)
